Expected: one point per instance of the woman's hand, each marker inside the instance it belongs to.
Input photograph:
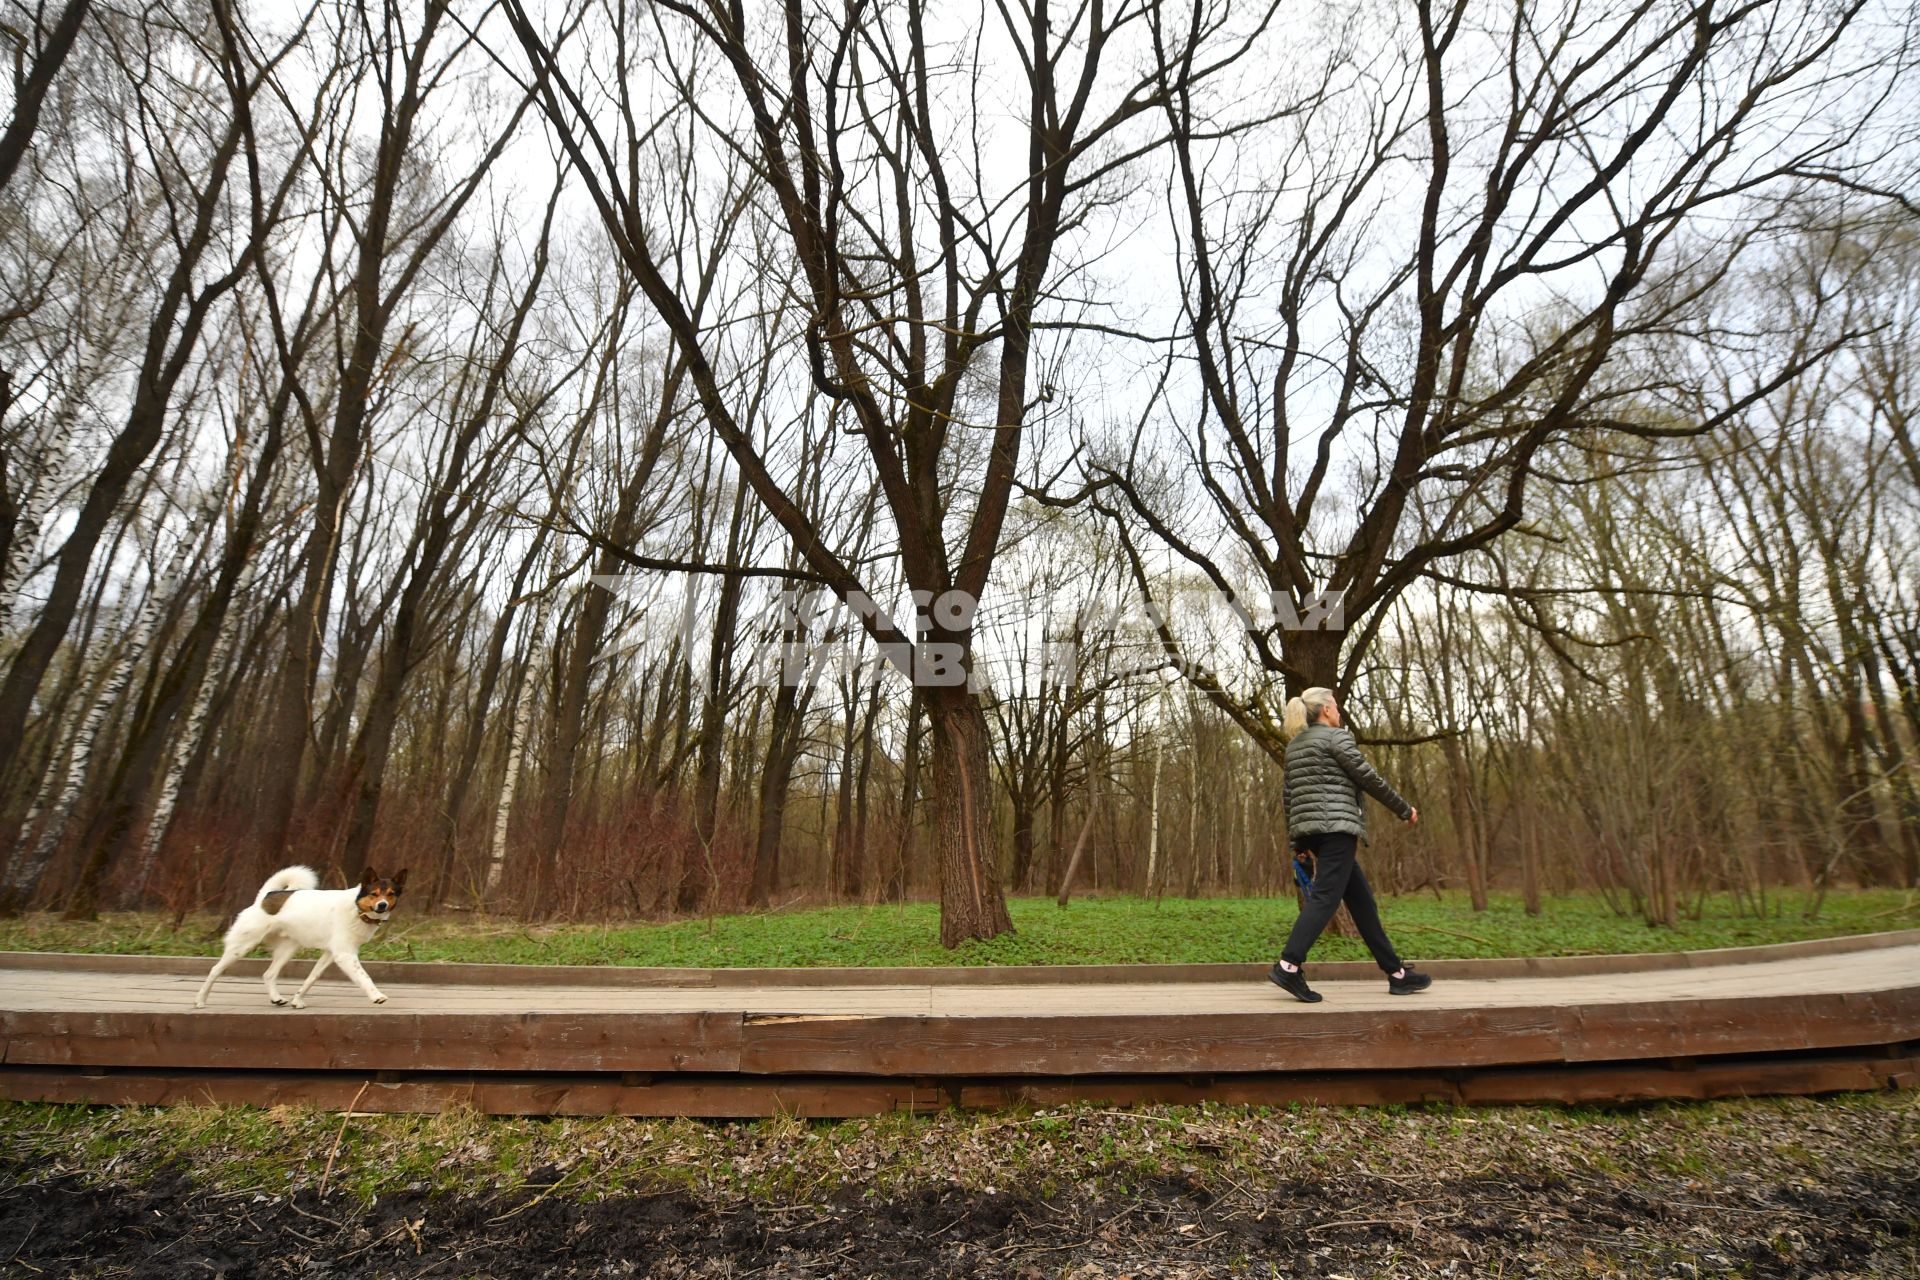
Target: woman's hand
(1413, 816)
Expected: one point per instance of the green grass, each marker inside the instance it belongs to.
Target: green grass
(277, 1150)
(1089, 931)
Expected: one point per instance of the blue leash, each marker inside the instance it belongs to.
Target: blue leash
(1300, 874)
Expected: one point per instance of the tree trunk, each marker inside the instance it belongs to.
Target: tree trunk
(900, 848)
(326, 800)
(1152, 887)
(971, 902)
(172, 783)
(1079, 848)
(140, 756)
(1313, 661)
(522, 691)
(696, 879)
(844, 873)
(30, 91)
(783, 747)
(184, 688)
(1466, 826)
(171, 340)
(189, 780)
(1530, 848)
(54, 770)
(441, 883)
(696, 872)
(29, 868)
(435, 536)
(1024, 813)
(860, 811)
(1056, 817)
(337, 464)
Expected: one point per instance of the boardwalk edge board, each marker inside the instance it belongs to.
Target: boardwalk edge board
(1804, 1018)
(838, 1044)
(729, 1096)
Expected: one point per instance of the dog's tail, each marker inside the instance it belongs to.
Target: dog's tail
(287, 878)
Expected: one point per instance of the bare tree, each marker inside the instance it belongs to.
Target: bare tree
(392, 240)
(458, 481)
(845, 126)
(192, 169)
(1456, 286)
(183, 686)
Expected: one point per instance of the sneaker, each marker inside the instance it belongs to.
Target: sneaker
(1294, 984)
(1411, 983)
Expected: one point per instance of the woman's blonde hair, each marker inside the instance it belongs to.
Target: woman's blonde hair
(1305, 710)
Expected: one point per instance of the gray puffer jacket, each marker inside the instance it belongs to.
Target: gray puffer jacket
(1325, 775)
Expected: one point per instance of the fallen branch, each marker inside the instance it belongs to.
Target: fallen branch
(1451, 933)
(1350, 1222)
(1899, 908)
(551, 1187)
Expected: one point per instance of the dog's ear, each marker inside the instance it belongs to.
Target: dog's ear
(368, 877)
(400, 880)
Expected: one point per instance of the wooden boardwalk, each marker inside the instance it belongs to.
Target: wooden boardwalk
(1795, 1018)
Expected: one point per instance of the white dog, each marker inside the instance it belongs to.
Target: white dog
(292, 912)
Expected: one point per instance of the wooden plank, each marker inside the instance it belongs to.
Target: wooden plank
(1647, 1082)
(1110, 1044)
(1406, 1038)
(501, 975)
(712, 1097)
(1755, 1024)
(1417, 1038)
(1360, 1089)
(50, 991)
(375, 1041)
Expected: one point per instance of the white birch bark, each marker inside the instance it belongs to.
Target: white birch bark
(49, 478)
(1193, 813)
(26, 872)
(160, 821)
(1153, 828)
(523, 698)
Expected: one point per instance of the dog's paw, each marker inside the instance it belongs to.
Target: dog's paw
(199, 1004)
(297, 1003)
(277, 999)
(379, 997)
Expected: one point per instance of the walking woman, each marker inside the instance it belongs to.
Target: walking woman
(1326, 813)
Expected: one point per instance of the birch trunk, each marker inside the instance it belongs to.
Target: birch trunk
(26, 872)
(1153, 817)
(195, 728)
(523, 698)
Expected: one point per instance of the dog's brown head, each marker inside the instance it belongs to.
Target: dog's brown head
(379, 894)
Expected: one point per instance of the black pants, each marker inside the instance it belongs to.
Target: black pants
(1337, 878)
